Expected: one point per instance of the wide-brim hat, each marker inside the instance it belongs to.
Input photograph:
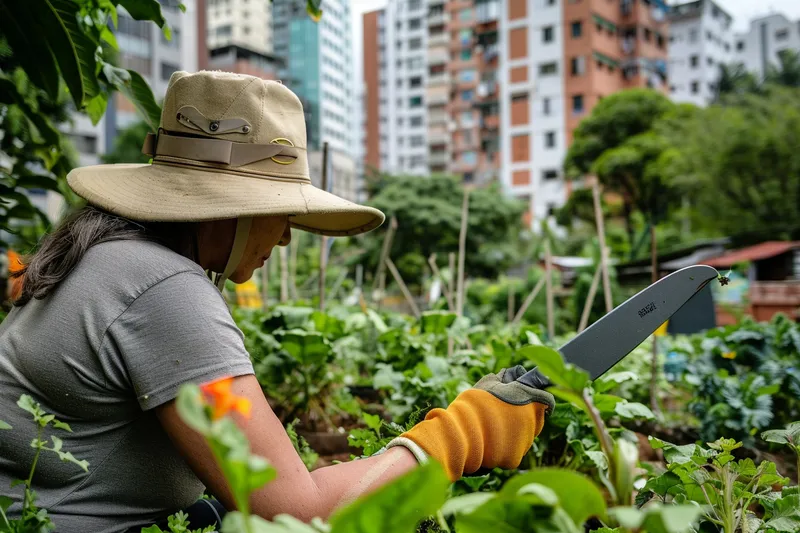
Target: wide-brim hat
(228, 146)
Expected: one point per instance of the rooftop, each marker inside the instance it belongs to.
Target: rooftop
(765, 250)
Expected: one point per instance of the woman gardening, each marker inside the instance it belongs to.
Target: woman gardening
(120, 306)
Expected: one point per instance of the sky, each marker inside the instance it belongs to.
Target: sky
(741, 10)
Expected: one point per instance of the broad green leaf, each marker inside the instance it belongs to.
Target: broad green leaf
(598, 458)
(541, 495)
(437, 322)
(144, 10)
(577, 494)
(141, 96)
(569, 396)
(372, 421)
(680, 454)
(191, 408)
(663, 484)
(26, 403)
(397, 506)
(5, 503)
(789, 435)
(152, 529)
(672, 518)
(108, 36)
(19, 24)
(627, 517)
(609, 381)
(73, 49)
(5, 425)
(551, 364)
(306, 347)
(96, 107)
(634, 410)
(606, 403)
(466, 504)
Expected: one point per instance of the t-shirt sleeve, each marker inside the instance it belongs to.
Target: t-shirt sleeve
(177, 331)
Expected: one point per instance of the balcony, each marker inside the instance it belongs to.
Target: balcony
(441, 78)
(438, 137)
(439, 117)
(487, 12)
(438, 158)
(438, 57)
(436, 98)
(439, 39)
(435, 19)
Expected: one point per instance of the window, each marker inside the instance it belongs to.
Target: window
(740, 46)
(692, 36)
(576, 29)
(465, 14)
(546, 69)
(246, 30)
(399, 121)
(695, 87)
(469, 158)
(467, 118)
(710, 60)
(467, 75)
(415, 82)
(415, 44)
(466, 138)
(672, 88)
(550, 139)
(547, 34)
(551, 2)
(781, 35)
(85, 144)
(415, 101)
(135, 28)
(659, 40)
(709, 35)
(414, 4)
(694, 61)
(465, 36)
(399, 82)
(467, 95)
(139, 64)
(416, 121)
(545, 106)
(578, 66)
(548, 175)
(416, 140)
(225, 31)
(167, 69)
(647, 34)
(415, 62)
(415, 24)
(466, 54)
(577, 104)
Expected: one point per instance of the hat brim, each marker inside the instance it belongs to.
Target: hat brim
(175, 193)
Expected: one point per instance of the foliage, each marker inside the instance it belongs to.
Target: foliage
(128, 145)
(30, 518)
(493, 226)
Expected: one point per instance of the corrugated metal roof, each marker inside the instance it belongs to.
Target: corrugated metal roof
(765, 250)
(694, 258)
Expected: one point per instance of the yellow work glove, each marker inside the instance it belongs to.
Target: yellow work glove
(490, 425)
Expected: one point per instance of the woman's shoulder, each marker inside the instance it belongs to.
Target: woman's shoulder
(135, 264)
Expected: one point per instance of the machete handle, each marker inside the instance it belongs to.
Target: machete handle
(534, 378)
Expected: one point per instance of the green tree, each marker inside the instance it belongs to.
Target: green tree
(787, 71)
(734, 79)
(128, 145)
(428, 211)
(613, 122)
(741, 166)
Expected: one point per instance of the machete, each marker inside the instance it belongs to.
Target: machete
(604, 343)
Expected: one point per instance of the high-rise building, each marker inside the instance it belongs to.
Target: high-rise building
(557, 60)
(765, 39)
(245, 23)
(319, 69)
(438, 87)
(700, 40)
(374, 82)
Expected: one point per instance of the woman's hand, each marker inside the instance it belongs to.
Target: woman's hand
(490, 425)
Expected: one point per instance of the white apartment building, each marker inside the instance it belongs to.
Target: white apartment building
(438, 87)
(534, 77)
(246, 23)
(701, 39)
(402, 38)
(765, 39)
(319, 69)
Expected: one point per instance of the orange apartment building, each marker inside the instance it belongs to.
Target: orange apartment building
(558, 58)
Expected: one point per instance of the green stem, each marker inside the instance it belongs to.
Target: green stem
(606, 442)
(29, 481)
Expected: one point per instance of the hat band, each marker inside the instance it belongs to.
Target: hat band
(216, 150)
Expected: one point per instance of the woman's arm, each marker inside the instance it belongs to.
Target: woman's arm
(295, 491)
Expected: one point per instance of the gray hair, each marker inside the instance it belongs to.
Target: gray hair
(64, 247)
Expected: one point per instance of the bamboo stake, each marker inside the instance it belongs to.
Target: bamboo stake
(601, 236)
(587, 307)
(284, 274)
(338, 284)
(403, 287)
(548, 273)
(323, 251)
(462, 243)
(529, 300)
(379, 282)
(510, 303)
(445, 288)
(451, 263)
(265, 286)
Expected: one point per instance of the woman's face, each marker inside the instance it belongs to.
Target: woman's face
(216, 240)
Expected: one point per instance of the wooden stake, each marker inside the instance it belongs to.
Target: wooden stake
(462, 243)
(265, 286)
(451, 264)
(338, 284)
(510, 303)
(403, 287)
(601, 236)
(323, 250)
(529, 300)
(379, 282)
(587, 307)
(284, 274)
(445, 285)
(548, 274)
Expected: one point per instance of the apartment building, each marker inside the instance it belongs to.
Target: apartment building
(558, 58)
(245, 23)
(438, 87)
(765, 39)
(700, 40)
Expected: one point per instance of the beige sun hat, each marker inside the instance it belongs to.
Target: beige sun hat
(228, 146)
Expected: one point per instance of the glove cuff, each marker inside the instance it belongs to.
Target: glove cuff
(411, 446)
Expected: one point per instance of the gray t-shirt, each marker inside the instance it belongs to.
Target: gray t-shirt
(116, 338)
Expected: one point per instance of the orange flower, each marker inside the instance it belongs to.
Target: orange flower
(223, 401)
(729, 355)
